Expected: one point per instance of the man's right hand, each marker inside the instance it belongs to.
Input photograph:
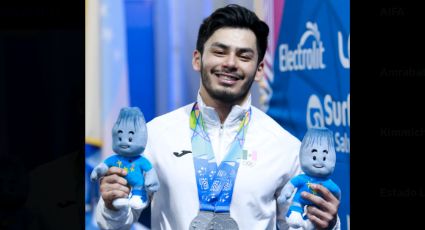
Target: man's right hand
(114, 186)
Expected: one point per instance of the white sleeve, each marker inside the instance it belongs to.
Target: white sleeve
(337, 225)
(110, 219)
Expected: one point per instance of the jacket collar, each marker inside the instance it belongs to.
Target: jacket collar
(210, 116)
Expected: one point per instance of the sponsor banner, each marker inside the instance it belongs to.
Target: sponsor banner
(311, 78)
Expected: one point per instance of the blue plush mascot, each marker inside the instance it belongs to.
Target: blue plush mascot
(129, 137)
(317, 159)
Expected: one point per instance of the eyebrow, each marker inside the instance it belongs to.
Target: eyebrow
(120, 131)
(238, 50)
(314, 150)
(131, 132)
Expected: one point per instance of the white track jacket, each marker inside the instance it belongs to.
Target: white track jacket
(271, 162)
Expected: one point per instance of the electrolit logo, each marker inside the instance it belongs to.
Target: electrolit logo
(303, 58)
(330, 113)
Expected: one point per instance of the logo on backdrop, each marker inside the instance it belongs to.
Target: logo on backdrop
(315, 118)
(344, 60)
(330, 113)
(303, 57)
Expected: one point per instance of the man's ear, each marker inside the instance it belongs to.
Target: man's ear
(260, 71)
(196, 60)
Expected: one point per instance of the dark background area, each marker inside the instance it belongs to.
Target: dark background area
(42, 114)
(42, 83)
(388, 130)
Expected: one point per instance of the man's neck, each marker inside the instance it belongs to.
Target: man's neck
(222, 108)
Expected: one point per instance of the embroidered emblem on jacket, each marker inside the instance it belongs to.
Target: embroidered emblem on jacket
(249, 159)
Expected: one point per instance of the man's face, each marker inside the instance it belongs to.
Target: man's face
(228, 65)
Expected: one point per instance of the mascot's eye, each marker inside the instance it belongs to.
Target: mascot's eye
(130, 139)
(314, 157)
(119, 138)
(324, 158)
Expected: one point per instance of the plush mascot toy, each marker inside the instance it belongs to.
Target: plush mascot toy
(317, 159)
(129, 138)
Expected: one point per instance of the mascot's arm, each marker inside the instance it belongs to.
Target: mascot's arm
(286, 193)
(151, 180)
(99, 171)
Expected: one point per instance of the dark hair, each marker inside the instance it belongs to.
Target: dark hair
(234, 16)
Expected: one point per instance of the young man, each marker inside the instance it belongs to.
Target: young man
(221, 162)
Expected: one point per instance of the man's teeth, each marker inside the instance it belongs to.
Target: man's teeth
(229, 77)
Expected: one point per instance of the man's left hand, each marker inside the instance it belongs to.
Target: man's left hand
(324, 216)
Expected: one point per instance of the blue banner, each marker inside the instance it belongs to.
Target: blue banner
(311, 83)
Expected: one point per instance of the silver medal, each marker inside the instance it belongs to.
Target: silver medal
(222, 221)
(201, 221)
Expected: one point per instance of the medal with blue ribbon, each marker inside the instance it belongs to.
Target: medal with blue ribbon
(215, 183)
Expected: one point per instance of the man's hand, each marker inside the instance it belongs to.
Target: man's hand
(114, 186)
(323, 216)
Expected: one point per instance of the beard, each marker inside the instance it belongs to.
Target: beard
(225, 94)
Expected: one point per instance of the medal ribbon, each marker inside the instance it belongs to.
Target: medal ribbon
(215, 183)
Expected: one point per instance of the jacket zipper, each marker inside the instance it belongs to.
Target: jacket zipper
(220, 137)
